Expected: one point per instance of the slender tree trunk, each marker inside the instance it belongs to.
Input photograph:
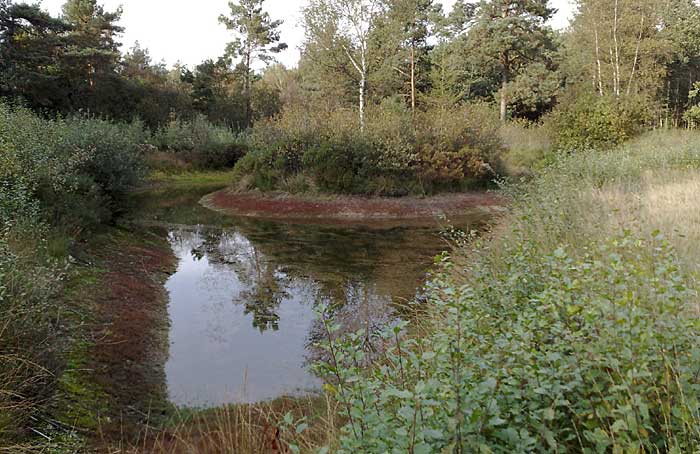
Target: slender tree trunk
(597, 59)
(90, 67)
(363, 86)
(612, 65)
(505, 61)
(413, 78)
(617, 51)
(636, 56)
(505, 78)
(504, 100)
(246, 90)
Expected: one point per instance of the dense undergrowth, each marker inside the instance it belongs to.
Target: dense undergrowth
(58, 180)
(573, 329)
(441, 149)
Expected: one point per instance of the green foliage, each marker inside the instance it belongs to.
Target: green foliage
(57, 178)
(564, 334)
(534, 91)
(397, 154)
(256, 37)
(692, 115)
(594, 122)
(456, 145)
(78, 169)
(507, 36)
(262, 169)
(200, 142)
(341, 167)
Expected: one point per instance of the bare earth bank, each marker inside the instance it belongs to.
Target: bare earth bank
(351, 209)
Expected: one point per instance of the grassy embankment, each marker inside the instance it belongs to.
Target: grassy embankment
(573, 327)
(576, 270)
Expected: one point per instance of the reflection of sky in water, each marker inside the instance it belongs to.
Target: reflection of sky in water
(216, 354)
(241, 302)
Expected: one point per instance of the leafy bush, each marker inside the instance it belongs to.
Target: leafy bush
(593, 122)
(57, 178)
(457, 144)
(395, 155)
(200, 142)
(78, 169)
(575, 329)
(346, 167)
(262, 169)
(692, 115)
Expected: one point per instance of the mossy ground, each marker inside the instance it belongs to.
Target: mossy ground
(111, 392)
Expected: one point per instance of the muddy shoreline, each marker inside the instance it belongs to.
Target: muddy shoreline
(117, 387)
(350, 210)
(119, 395)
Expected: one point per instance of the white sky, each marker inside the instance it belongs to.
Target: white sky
(189, 32)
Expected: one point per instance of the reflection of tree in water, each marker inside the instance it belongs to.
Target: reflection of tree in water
(186, 242)
(354, 306)
(229, 251)
(264, 299)
(358, 272)
(265, 285)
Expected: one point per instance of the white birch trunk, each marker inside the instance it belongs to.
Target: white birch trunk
(363, 85)
(617, 51)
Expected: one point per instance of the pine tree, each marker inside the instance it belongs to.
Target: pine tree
(31, 46)
(256, 38)
(406, 31)
(93, 51)
(508, 35)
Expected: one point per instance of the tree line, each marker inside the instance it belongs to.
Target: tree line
(358, 53)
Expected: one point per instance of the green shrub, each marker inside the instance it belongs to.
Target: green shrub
(593, 122)
(111, 163)
(346, 167)
(692, 114)
(456, 145)
(262, 169)
(396, 154)
(201, 143)
(78, 169)
(556, 353)
(57, 178)
(575, 329)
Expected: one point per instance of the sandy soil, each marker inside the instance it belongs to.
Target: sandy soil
(348, 209)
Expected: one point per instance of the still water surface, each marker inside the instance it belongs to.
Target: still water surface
(242, 300)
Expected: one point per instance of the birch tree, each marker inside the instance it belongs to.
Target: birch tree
(345, 25)
(621, 45)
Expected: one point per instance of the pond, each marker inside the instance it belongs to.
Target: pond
(243, 298)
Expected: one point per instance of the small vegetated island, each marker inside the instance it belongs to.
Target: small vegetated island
(569, 324)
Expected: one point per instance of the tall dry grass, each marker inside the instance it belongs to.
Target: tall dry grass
(311, 422)
(527, 147)
(649, 184)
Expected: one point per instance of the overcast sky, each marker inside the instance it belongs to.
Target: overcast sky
(189, 32)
